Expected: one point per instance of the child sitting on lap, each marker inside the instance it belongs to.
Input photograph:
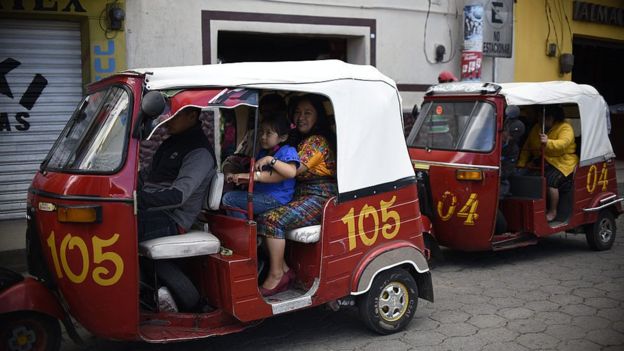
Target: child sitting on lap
(275, 185)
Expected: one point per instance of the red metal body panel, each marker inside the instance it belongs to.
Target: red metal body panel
(30, 295)
(233, 285)
(591, 184)
(373, 254)
(95, 264)
(353, 229)
(463, 209)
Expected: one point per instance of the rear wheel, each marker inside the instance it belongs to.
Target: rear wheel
(29, 331)
(601, 234)
(391, 302)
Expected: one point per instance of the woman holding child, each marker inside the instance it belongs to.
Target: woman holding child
(316, 183)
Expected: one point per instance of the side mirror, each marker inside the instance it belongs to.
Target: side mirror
(153, 104)
(512, 111)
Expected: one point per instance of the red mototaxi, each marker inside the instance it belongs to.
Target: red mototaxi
(455, 146)
(83, 253)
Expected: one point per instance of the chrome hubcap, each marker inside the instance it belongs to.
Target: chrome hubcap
(393, 301)
(22, 339)
(606, 230)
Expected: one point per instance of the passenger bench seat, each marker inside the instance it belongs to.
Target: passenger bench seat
(306, 235)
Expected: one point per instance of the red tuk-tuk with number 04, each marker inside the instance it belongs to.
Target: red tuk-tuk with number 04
(456, 147)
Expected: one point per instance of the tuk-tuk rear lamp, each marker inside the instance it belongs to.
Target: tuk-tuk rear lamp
(469, 174)
(79, 214)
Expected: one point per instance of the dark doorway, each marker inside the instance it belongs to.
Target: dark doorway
(241, 47)
(599, 63)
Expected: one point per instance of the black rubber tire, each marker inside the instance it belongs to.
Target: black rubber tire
(29, 331)
(601, 234)
(184, 292)
(390, 303)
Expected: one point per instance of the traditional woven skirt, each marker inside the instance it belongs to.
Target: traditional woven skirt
(305, 209)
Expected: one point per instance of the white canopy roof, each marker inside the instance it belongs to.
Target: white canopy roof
(367, 107)
(593, 110)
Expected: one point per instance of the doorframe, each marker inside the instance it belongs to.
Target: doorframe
(208, 18)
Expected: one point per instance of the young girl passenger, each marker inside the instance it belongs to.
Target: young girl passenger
(275, 184)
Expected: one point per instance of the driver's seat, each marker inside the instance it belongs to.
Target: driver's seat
(193, 243)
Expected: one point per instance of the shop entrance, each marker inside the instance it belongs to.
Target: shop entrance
(598, 63)
(249, 47)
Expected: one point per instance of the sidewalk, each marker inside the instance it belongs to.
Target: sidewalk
(13, 243)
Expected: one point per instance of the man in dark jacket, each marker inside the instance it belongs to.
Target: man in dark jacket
(173, 189)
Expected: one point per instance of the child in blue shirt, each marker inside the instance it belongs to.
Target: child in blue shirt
(275, 185)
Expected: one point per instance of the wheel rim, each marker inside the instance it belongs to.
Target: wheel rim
(26, 337)
(393, 301)
(605, 230)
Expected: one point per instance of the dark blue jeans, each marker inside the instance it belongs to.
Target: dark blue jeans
(155, 224)
(261, 203)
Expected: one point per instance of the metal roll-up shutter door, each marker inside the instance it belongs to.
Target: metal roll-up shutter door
(40, 85)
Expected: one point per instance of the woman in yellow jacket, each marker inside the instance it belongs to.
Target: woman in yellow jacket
(559, 148)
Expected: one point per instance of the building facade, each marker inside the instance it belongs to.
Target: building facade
(592, 31)
(49, 50)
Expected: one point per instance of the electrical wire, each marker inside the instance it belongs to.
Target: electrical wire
(559, 12)
(361, 7)
(547, 21)
(451, 48)
(549, 17)
(567, 21)
(425, 34)
(102, 18)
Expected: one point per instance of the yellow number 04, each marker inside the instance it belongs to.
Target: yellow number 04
(468, 211)
(70, 242)
(388, 230)
(593, 179)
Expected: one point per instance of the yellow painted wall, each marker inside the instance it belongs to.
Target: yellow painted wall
(531, 28)
(104, 51)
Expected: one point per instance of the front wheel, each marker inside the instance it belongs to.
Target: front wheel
(29, 331)
(391, 302)
(601, 234)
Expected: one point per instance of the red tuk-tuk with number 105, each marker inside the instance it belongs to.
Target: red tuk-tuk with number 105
(456, 146)
(84, 258)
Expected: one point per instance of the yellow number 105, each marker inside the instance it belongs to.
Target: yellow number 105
(388, 230)
(99, 273)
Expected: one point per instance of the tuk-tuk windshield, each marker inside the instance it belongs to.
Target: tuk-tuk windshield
(455, 125)
(95, 135)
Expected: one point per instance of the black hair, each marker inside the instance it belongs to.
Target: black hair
(321, 127)
(275, 100)
(277, 121)
(196, 111)
(556, 111)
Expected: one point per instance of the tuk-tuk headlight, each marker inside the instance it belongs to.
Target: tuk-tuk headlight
(469, 174)
(79, 214)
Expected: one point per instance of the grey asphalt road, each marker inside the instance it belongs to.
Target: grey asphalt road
(557, 295)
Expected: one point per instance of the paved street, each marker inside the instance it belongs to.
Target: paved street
(557, 295)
